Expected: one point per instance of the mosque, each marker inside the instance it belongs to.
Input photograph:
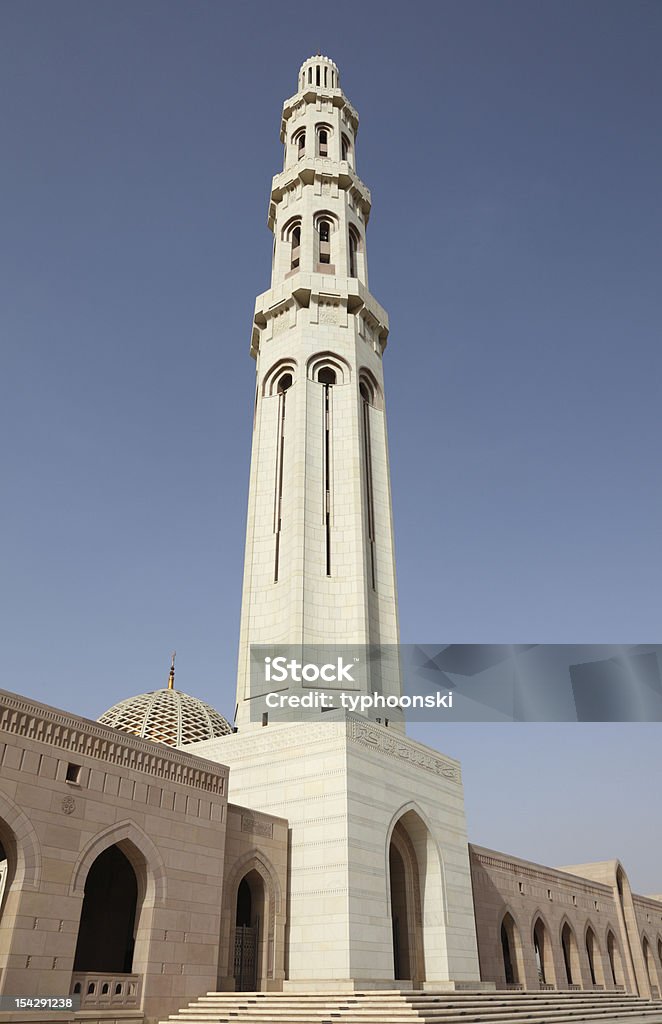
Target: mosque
(316, 870)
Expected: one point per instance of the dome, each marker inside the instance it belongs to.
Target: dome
(167, 716)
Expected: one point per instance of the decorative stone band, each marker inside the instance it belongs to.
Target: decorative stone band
(89, 739)
(540, 875)
(257, 827)
(394, 746)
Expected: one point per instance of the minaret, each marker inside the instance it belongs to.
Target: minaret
(319, 563)
(379, 882)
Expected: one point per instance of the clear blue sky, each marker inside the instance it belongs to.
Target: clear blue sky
(514, 153)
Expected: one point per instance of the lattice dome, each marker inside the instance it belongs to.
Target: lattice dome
(167, 716)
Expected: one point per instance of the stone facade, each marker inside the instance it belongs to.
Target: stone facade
(577, 927)
(70, 791)
(349, 790)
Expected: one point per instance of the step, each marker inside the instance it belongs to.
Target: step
(406, 1007)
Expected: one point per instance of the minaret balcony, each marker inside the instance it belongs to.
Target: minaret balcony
(312, 94)
(340, 173)
(296, 292)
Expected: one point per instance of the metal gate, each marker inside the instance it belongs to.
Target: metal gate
(245, 958)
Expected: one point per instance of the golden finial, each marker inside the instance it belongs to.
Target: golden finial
(171, 678)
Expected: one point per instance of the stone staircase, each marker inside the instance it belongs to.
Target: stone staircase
(392, 1007)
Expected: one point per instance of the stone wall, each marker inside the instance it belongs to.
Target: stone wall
(70, 789)
(587, 908)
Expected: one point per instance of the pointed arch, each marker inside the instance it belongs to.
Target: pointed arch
(256, 860)
(594, 956)
(511, 947)
(273, 376)
(329, 360)
(139, 850)
(615, 958)
(542, 946)
(370, 389)
(649, 962)
(21, 843)
(271, 927)
(149, 870)
(570, 951)
(419, 891)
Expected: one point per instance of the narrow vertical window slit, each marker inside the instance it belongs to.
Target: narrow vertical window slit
(370, 505)
(278, 496)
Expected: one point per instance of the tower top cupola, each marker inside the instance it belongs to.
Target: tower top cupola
(319, 72)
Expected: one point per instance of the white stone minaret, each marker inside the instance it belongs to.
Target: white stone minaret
(379, 885)
(319, 564)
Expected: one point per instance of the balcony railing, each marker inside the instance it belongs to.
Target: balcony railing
(100, 990)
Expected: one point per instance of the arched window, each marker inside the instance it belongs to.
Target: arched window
(369, 389)
(299, 142)
(327, 375)
(323, 142)
(325, 364)
(344, 148)
(295, 247)
(353, 251)
(324, 232)
(291, 237)
(280, 371)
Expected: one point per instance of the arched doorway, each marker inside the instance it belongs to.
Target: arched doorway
(570, 956)
(249, 932)
(594, 959)
(543, 954)
(406, 907)
(651, 972)
(510, 951)
(399, 924)
(106, 934)
(615, 961)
